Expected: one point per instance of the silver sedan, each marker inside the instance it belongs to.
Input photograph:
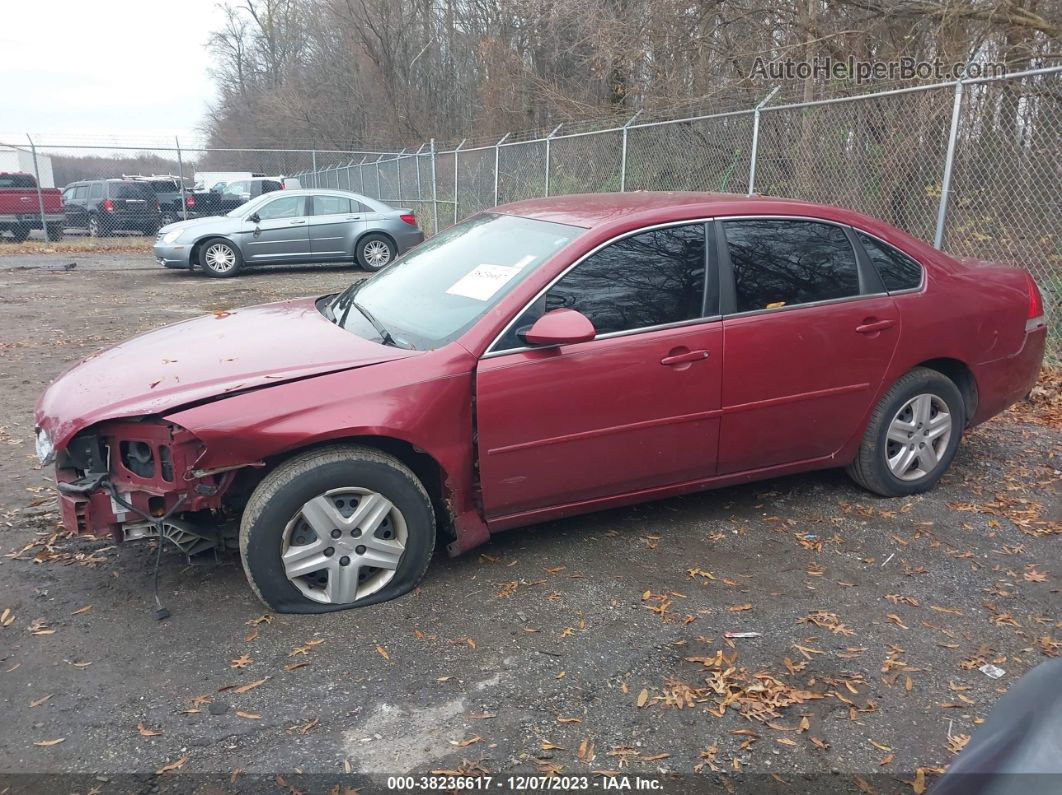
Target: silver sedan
(291, 226)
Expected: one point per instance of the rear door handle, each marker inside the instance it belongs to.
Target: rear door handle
(353, 217)
(871, 326)
(683, 358)
(298, 221)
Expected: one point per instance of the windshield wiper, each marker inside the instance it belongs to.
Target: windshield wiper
(385, 336)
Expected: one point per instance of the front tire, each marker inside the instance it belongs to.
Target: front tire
(375, 252)
(912, 436)
(338, 527)
(98, 227)
(220, 258)
(55, 232)
(20, 232)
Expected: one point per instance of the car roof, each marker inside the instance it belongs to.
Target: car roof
(595, 209)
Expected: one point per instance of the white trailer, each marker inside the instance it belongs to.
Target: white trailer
(15, 159)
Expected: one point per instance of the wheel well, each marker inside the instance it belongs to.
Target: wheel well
(422, 465)
(379, 232)
(961, 376)
(193, 255)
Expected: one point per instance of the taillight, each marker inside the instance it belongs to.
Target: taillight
(409, 219)
(108, 205)
(157, 205)
(189, 202)
(1036, 301)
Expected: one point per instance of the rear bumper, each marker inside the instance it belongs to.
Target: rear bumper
(407, 240)
(1003, 382)
(32, 220)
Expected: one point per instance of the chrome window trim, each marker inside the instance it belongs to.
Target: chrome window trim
(491, 352)
(922, 281)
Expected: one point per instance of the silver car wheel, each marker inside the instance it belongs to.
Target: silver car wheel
(918, 437)
(344, 545)
(377, 253)
(220, 258)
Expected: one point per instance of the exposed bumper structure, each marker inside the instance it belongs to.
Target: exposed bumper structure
(117, 474)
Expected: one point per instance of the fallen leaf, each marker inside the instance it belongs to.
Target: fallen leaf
(146, 732)
(6, 617)
(562, 719)
(169, 768)
(241, 662)
(251, 685)
(383, 652)
(548, 746)
(40, 700)
(84, 609)
(466, 743)
(248, 715)
(739, 608)
(919, 782)
(643, 697)
(49, 743)
(295, 666)
(879, 746)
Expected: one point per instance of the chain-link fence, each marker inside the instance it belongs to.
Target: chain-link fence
(974, 166)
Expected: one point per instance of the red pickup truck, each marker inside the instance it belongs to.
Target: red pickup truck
(20, 207)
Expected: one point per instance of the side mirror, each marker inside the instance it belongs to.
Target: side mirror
(560, 327)
(253, 218)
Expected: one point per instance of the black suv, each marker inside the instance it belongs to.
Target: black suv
(172, 202)
(103, 206)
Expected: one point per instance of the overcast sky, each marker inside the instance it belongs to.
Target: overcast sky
(127, 69)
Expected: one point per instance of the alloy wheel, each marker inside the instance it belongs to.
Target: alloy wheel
(220, 258)
(343, 545)
(377, 253)
(918, 437)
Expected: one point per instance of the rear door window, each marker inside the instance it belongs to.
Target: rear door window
(96, 190)
(268, 186)
(779, 263)
(332, 205)
(81, 192)
(897, 270)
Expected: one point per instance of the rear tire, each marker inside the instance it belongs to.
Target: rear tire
(219, 258)
(296, 557)
(375, 252)
(98, 227)
(912, 436)
(20, 232)
(55, 232)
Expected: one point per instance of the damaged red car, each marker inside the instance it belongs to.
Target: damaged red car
(540, 360)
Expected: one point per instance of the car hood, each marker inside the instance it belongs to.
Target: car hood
(201, 359)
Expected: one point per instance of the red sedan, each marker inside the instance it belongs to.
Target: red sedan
(543, 359)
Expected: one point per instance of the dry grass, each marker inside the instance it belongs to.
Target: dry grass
(78, 245)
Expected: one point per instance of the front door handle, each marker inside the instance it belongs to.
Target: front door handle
(872, 326)
(684, 358)
(298, 221)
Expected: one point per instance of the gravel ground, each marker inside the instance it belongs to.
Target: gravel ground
(582, 647)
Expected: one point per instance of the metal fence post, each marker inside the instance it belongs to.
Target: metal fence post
(456, 203)
(180, 172)
(40, 196)
(623, 152)
(420, 192)
(379, 189)
(313, 159)
(361, 173)
(555, 131)
(398, 168)
(497, 160)
(949, 163)
(756, 138)
(434, 193)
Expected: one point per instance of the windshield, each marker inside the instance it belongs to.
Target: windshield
(433, 294)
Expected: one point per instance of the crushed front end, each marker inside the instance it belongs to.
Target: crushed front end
(128, 479)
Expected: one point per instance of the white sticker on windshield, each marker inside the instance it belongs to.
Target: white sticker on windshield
(483, 281)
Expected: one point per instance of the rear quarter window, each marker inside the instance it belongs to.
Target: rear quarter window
(897, 270)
